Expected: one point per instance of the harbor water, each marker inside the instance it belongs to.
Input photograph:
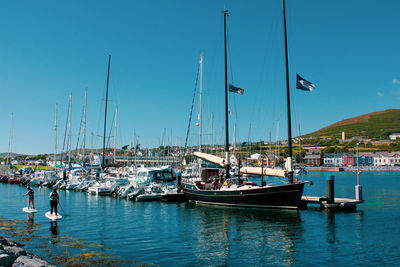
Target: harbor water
(181, 234)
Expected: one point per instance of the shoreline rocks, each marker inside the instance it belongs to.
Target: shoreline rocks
(12, 254)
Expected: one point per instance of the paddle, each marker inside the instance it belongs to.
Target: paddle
(65, 214)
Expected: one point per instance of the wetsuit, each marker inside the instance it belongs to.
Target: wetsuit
(53, 202)
(30, 193)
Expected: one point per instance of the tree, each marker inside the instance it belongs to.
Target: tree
(300, 156)
(125, 147)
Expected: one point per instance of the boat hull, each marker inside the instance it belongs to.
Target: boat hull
(173, 197)
(282, 197)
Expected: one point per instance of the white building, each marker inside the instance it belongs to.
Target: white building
(394, 136)
(336, 160)
(386, 159)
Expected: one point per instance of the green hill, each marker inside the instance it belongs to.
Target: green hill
(377, 125)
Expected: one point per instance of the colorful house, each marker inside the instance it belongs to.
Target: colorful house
(334, 160)
(348, 160)
(364, 159)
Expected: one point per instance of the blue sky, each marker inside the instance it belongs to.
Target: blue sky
(49, 49)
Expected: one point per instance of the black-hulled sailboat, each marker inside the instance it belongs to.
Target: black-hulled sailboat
(230, 191)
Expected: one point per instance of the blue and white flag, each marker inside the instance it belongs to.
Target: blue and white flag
(235, 89)
(303, 84)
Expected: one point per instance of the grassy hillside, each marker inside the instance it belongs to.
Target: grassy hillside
(376, 125)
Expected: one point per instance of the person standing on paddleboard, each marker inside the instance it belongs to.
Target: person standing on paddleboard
(54, 199)
(31, 202)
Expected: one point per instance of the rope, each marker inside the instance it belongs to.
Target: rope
(191, 112)
(66, 126)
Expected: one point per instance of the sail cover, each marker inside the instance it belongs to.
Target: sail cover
(266, 171)
(211, 158)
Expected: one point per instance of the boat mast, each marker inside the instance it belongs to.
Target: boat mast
(270, 150)
(105, 113)
(8, 162)
(84, 127)
(212, 131)
(298, 123)
(234, 137)
(55, 140)
(201, 101)
(69, 127)
(135, 146)
(115, 131)
(225, 12)
(289, 160)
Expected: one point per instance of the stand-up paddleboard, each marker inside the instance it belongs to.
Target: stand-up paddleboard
(53, 216)
(29, 210)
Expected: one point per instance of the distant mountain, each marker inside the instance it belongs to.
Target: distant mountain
(375, 125)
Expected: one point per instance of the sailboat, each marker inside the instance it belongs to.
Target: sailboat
(214, 189)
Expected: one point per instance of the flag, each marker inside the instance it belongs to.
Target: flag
(303, 84)
(235, 89)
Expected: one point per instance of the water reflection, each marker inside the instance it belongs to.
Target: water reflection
(54, 232)
(31, 228)
(31, 217)
(253, 235)
(331, 228)
(338, 223)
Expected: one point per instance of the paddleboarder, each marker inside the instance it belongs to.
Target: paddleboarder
(30, 193)
(54, 199)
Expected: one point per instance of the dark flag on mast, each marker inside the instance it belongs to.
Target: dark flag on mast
(303, 84)
(235, 89)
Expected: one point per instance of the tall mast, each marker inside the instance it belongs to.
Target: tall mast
(201, 101)
(289, 160)
(135, 145)
(212, 130)
(234, 137)
(115, 131)
(69, 127)
(84, 126)
(225, 12)
(105, 113)
(270, 149)
(299, 143)
(8, 162)
(55, 140)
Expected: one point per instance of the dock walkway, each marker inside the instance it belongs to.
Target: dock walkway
(339, 203)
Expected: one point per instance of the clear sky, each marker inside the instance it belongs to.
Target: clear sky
(48, 49)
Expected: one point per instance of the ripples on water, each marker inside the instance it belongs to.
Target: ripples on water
(182, 234)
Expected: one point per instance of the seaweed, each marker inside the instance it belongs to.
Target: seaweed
(61, 250)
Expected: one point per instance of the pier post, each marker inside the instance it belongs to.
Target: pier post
(179, 182)
(330, 188)
(359, 192)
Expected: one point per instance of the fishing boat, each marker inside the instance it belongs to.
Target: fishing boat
(218, 188)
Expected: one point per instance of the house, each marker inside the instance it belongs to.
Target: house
(364, 159)
(334, 160)
(394, 159)
(349, 160)
(394, 136)
(328, 159)
(268, 160)
(382, 159)
(313, 157)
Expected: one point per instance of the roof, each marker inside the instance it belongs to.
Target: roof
(312, 156)
(313, 151)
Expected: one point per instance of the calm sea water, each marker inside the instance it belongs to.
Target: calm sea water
(186, 235)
